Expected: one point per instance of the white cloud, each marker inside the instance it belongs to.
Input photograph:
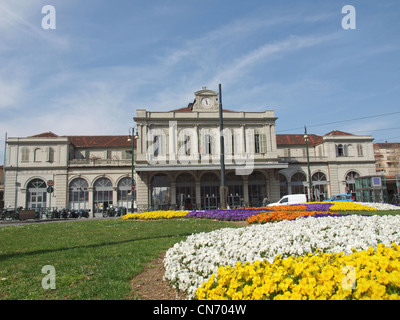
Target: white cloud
(234, 70)
(25, 17)
(11, 93)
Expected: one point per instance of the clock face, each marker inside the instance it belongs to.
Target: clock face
(206, 102)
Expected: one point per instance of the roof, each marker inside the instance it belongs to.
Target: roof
(90, 141)
(297, 139)
(100, 141)
(47, 134)
(387, 145)
(338, 133)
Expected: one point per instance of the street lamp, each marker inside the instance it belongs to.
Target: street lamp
(308, 164)
(132, 137)
(223, 188)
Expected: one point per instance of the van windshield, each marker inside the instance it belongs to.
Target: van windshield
(284, 200)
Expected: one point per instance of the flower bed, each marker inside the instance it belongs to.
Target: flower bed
(350, 206)
(232, 214)
(153, 215)
(381, 206)
(372, 274)
(274, 216)
(189, 263)
(318, 206)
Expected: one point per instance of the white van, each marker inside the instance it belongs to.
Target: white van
(290, 199)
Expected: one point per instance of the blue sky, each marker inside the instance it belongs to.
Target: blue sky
(105, 59)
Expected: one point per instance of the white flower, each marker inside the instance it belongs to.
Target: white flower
(191, 262)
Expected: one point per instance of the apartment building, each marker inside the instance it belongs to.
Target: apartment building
(387, 159)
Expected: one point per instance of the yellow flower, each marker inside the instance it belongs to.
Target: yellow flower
(151, 215)
(375, 273)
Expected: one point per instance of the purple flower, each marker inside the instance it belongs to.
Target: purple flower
(232, 214)
(318, 206)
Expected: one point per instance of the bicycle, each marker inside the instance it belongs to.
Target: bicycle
(10, 214)
(396, 199)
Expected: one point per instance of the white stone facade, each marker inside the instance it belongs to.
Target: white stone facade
(177, 162)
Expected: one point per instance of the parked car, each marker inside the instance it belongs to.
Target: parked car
(290, 199)
(341, 197)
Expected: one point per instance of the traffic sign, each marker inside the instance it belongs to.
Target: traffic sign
(50, 189)
(50, 183)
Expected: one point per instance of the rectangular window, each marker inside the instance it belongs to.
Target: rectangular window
(187, 144)
(50, 154)
(257, 141)
(126, 154)
(260, 143)
(156, 146)
(208, 144)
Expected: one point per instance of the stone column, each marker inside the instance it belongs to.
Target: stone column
(198, 195)
(246, 191)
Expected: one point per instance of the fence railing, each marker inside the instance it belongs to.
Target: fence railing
(20, 214)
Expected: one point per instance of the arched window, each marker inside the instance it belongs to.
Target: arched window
(283, 184)
(351, 182)
(78, 194)
(125, 193)
(299, 183)
(320, 186)
(37, 155)
(339, 150)
(36, 194)
(102, 194)
(342, 150)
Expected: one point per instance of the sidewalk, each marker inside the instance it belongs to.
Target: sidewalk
(32, 221)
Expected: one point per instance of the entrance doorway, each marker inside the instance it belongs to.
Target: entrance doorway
(78, 194)
(185, 191)
(36, 194)
(257, 190)
(102, 195)
(209, 191)
(161, 192)
(235, 190)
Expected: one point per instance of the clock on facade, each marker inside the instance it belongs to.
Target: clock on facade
(206, 102)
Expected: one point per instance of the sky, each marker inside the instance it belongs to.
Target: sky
(106, 59)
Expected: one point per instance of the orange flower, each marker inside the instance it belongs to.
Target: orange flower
(274, 216)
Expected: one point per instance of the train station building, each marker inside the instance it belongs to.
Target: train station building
(177, 162)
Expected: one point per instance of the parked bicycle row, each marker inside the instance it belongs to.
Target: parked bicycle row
(9, 214)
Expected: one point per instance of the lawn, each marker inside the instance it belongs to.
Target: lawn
(92, 259)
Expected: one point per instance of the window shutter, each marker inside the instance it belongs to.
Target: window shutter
(346, 150)
(263, 143)
(181, 142)
(228, 142)
(250, 141)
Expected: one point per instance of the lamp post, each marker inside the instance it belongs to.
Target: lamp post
(223, 191)
(131, 137)
(308, 165)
